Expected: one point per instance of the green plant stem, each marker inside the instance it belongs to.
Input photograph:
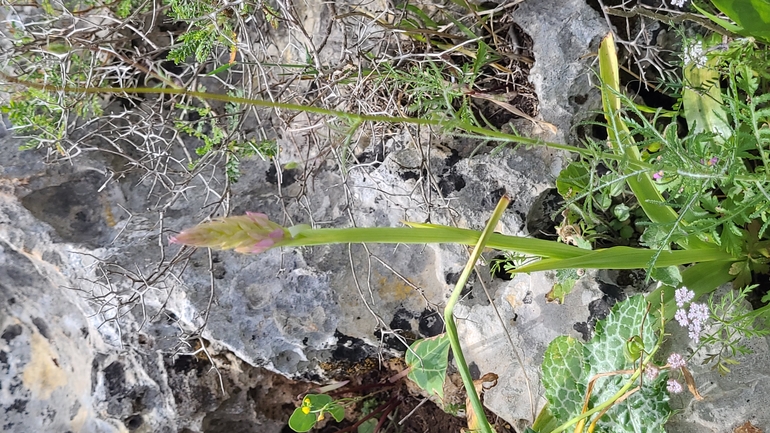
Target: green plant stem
(554, 255)
(426, 234)
(355, 118)
(350, 117)
(449, 320)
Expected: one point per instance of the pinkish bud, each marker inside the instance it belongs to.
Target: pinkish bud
(250, 233)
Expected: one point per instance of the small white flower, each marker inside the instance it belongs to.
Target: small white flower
(693, 54)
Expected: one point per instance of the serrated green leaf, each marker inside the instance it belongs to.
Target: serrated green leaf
(563, 377)
(428, 360)
(645, 411)
(573, 180)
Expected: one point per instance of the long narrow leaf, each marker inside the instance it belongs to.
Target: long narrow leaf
(620, 137)
(628, 258)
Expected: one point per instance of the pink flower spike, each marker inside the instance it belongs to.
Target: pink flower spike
(658, 175)
(250, 233)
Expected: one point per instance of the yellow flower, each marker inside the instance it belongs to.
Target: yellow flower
(320, 416)
(306, 409)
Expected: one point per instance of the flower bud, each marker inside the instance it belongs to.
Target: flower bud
(251, 233)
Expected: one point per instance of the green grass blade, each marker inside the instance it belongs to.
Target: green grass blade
(619, 135)
(627, 258)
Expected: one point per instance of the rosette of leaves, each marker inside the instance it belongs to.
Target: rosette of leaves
(569, 365)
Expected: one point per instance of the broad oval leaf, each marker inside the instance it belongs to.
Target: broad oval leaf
(427, 360)
(301, 421)
(563, 377)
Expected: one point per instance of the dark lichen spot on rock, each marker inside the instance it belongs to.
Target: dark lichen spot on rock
(613, 293)
(431, 323)
(451, 278)
(288, 177)
(402, 319)
(544, 215)
(474, 370)
(598, 309)
(184, 363)
(491, 200)
(42, 327)
(11, 301)
(584, 329)
(11, 332)
(115, 378)
(527, 298)
(450, 183)
(134, 422)
(409, 175)
(3, 357)
(375, 158)
(453, 158)
(18, 405)
(578, 99)
(171, 318)
(349, 348)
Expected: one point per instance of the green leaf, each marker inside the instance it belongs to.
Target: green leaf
(645, 190)
(752, 15)
(573, 180)
(702, 96)
(428, 360)
(368, 426)
(644, 411)
(545, 421)
(563, 377)
(621, 212)
(669, 275)
(300, 421)
(337, 411)
(627, 258)
(565, 282)
(733, 239)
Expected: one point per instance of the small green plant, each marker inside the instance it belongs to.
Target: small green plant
(731, 323)
(210, 27)
(219, 136)
(45, 119)
(314, 408)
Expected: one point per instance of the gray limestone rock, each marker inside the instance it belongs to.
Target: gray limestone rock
(105, 327)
